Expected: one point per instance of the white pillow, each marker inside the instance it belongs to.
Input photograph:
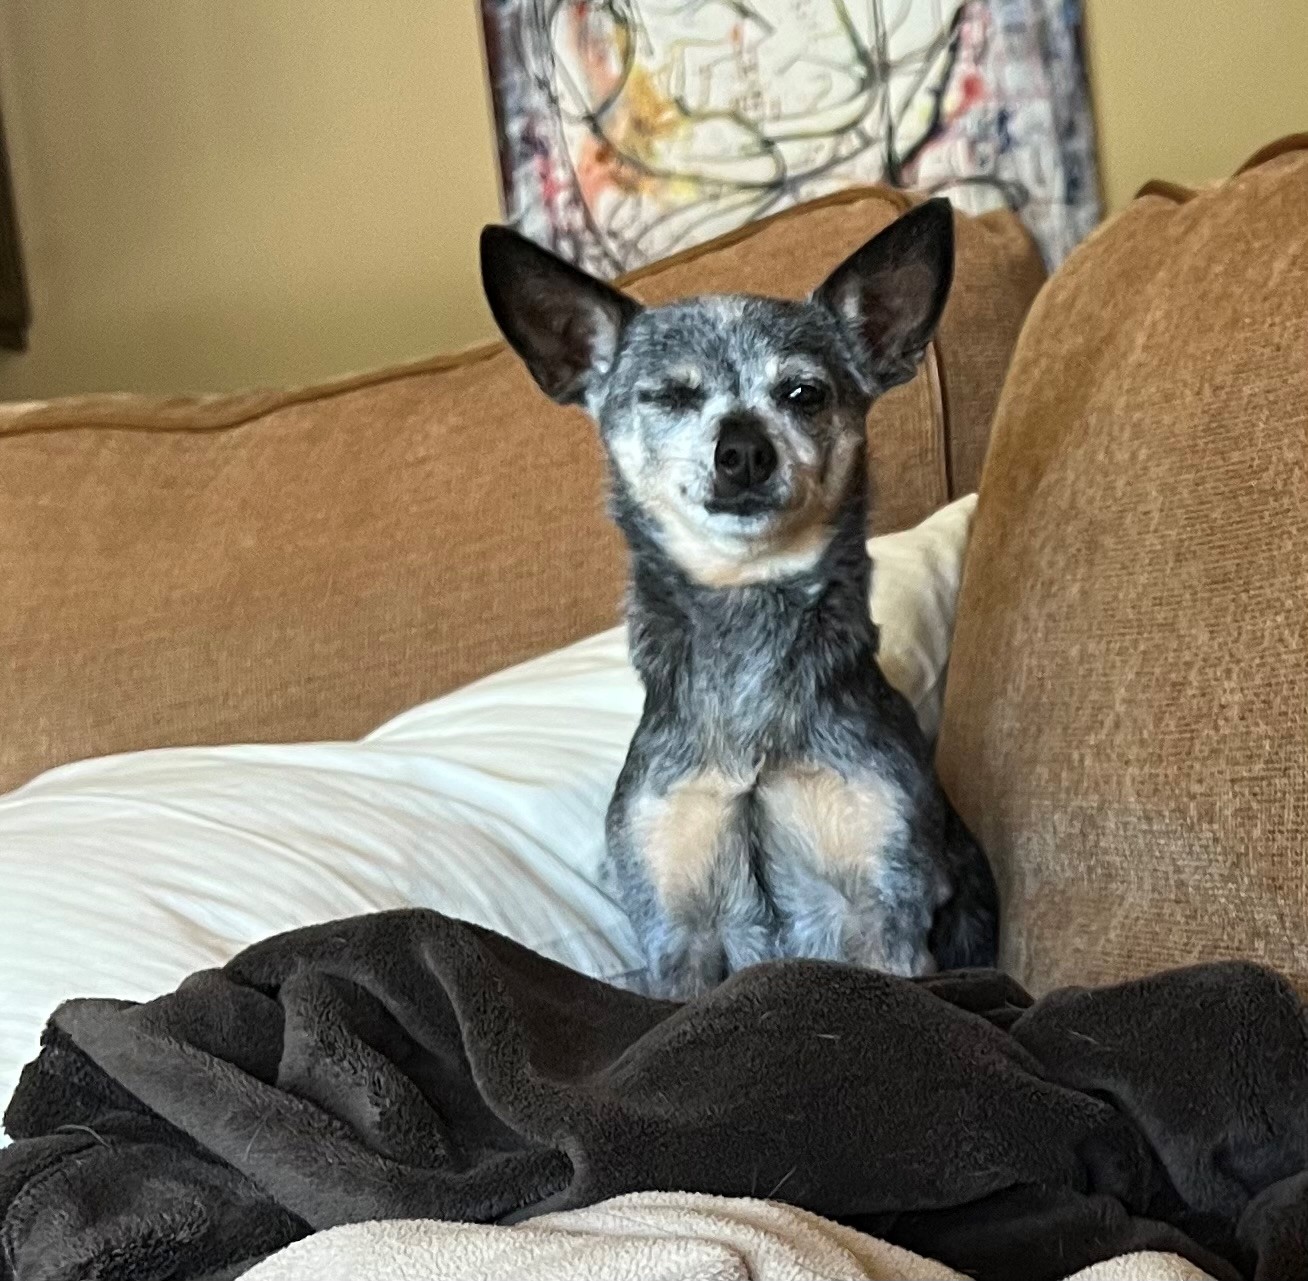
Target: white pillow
(120, 876)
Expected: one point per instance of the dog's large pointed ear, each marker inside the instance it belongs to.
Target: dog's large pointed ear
(564, 323)
(892, 291)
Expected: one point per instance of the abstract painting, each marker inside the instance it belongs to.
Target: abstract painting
(632, 129)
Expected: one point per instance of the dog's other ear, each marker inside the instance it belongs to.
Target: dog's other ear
(564, 323)
(892, 291)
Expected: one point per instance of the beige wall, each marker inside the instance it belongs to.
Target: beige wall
(217, 193)
(1189, 89)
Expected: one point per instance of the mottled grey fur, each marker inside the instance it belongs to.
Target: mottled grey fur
(748, 617)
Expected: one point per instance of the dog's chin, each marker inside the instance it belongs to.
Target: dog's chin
(735, 544)
(737, 519)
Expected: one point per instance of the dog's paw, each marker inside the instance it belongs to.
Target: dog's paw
(903, 957)
(686, 963)
(685, 971)
(859, 926)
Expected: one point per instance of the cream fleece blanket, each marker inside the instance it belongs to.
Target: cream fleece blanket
(645, 1236)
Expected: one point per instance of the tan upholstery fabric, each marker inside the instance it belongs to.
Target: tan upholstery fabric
(1126, 723)
(281, 566)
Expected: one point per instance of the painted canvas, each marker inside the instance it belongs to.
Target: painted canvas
(631, 129)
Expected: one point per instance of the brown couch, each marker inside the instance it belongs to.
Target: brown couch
(1126, 722)
(280, 566)
(1127, 714)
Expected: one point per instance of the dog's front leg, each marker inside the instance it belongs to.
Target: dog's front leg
(842, 865)
(680, 859)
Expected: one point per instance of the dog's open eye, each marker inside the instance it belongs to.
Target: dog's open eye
(673, 397)
(808, 398)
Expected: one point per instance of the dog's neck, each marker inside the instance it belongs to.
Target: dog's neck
(687, 633)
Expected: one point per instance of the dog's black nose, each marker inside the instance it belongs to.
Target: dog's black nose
(744, 457)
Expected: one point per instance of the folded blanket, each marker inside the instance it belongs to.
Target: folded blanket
(644, 1236)
(404, 1065)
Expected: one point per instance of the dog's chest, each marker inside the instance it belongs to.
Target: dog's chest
(752, 745)
(799, 813)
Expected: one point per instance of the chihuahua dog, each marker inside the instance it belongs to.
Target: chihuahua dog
(778, 798)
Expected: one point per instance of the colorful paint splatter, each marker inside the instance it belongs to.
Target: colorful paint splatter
(630, 129)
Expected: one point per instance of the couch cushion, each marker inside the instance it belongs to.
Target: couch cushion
(1126, 722)
(275, 566)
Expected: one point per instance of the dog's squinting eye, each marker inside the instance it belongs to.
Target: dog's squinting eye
(674, 397)
(808, 398)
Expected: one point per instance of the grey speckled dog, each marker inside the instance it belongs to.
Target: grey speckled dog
(778, 798)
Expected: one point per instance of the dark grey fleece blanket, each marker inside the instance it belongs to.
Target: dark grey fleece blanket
(406, 1065)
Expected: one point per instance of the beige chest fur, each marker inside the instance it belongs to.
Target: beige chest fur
(837, 827)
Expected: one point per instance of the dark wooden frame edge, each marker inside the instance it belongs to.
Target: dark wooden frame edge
(15, 311)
